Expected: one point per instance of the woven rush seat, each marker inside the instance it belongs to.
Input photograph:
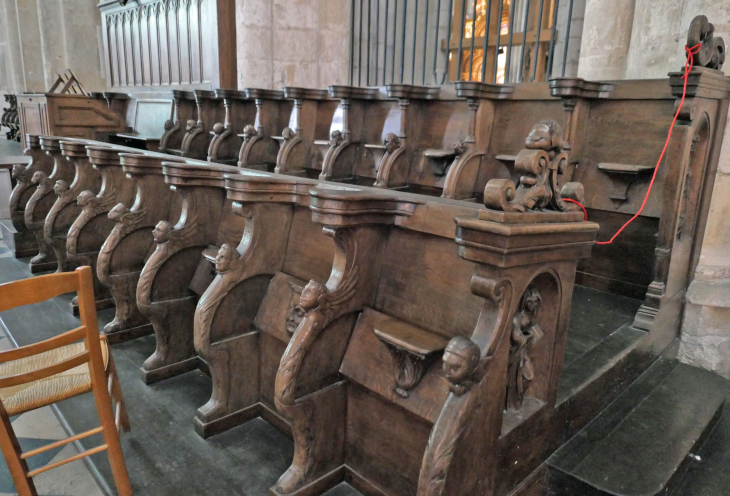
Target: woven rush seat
(25, 397)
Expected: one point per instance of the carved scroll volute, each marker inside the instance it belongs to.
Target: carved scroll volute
(712, 50)
(452, 464)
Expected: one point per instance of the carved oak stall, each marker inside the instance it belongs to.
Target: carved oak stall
(239, 111)
(130, 243)
(311, 116)
(260, 145)
(173, 276)
(16, 235)
(199, 128)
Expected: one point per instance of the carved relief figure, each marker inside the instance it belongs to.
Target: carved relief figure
(169, 124)
(287, 133)
(218, 128)
(191, 126)
(295, 313)
(460, 359)
(525, 333)
(541, 164)
(460, 147)
(60, 188)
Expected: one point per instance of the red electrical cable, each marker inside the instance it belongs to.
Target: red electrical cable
(687, 68)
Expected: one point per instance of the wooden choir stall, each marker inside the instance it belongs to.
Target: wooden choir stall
(387, 275)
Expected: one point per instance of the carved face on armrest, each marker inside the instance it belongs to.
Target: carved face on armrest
(161, 232)
(461, 357)
(225, 258)
(117, 212)
(310, 295)
(60, 187)
(248, 132)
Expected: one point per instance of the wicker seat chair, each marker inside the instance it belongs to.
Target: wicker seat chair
(67, 365)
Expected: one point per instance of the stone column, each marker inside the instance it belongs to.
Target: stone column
(254, 32)
(50, 20)
(606, 39)
(654, 39)
(30, 45)
(13, 55)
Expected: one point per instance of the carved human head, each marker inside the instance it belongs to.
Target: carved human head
(17, 171)
(391, 142)
(248, 132)
(161, 232)
(60, 187)
(310, 295)
(117, 212)
(531, 300)
(169, 124)
(335, 137)
(545, 135)
(460, 147)
(287, 133)
(226, 256)
(460, 358)
(84, 197)
(218, 128)
(37, 177)
(190, 125)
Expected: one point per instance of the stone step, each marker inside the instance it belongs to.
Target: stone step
(640, 445)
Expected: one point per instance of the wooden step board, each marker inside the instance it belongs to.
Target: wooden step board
(641, 444)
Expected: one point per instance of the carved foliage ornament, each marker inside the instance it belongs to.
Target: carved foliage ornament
(541, 163)
(712, 50)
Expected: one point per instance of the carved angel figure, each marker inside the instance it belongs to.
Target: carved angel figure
(335, 137)
(460, 147)
(117, 212)
(460, 359)
(391, 142)
(86, 198)
(525, 333)
(249, 132)
(227, 256)
(161, 232)
(60, 187)
(18, 172)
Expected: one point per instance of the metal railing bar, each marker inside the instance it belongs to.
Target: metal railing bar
(567, 37)
(403, 41)
(524, 39)
(461, 40)
(486, 41)
(552, 41)
(537, 41)
(369, 46)
(377, 39)
(359, 50)
(425, 44)
(385, 44)
(352, 41)
(436, 41)
(413, 52)
(499, 37)
(473, 35)
(448, 43)
(510, 33)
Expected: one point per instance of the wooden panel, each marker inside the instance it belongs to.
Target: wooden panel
(167, 42)
(418, 269)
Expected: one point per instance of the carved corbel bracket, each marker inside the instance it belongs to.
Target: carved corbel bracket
(623, 176)
(413, 351)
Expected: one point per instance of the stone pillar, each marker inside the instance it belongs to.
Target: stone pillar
(14, 80)
(606, 39)
(292, 43)
(654, 39)
(50, 20)
(30, 45)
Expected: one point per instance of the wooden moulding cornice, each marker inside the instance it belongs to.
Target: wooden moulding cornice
(263, 94)
(521, 239)
(579, 88)
(412, 92)
(73, 149)
(201, 95)
(231, 94)
(476, 89)
(293, 92)
(344, 207)
(202, 174)
(253, 187)
(103, 155)
(32, 141)
(356, 92)
(183, 95)
(50, 143)
(139, 164)
(702, 82)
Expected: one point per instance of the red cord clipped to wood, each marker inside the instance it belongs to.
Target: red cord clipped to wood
(687, 68)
